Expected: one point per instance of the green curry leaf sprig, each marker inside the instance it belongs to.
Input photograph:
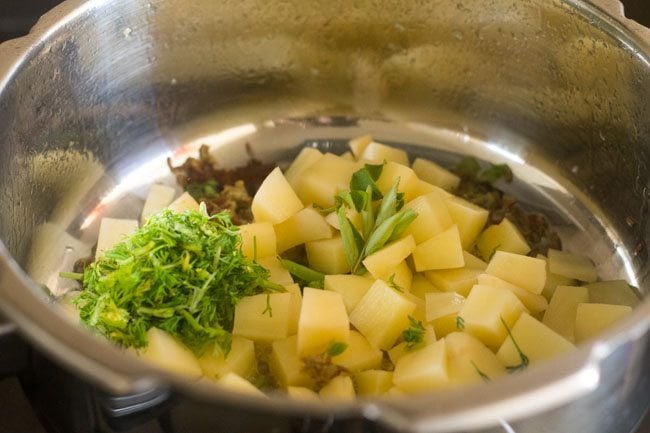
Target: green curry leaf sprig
(382, 216)
(181, 272)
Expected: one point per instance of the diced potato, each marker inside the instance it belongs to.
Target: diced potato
(235, 383)
(592, 319)
(560, 315)
(552, 280)
(617, 292)
(483, 312)
(446, 325)
(264, 317)
(373, 382)
(351, 287)
(408, 181)
(420, 311)
(359, 144)
(165, 352)
(473, 262)
(382, 314)
(572, 266)
(431, 172)
(420, 286)
(536, 340)
(275, 200)
(239, 360)
(348, 156)
(526, 272)
(401, 349)
(324, 179)
(286, 366)
(257, 240)
(340, 388)
(386, 259)
(359, 355)
(459, 280)
(307, 157)
(295, 306)
(323, 320)
(304, 226)
(327, 256)
(503, 237)
(534, 303)
(468, 359)
(442, 251)
(113, 231)
(277, 273)
(442, 304)
(354, 217)
(400, 276)
(433, 217)
(469, 218)
(378, 153)
(158, 198)
(422, 370)
(302, 393)
(183, 203)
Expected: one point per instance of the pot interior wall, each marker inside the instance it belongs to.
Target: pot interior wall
(558, 88)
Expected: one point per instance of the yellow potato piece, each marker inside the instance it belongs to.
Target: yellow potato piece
(158, 198)
(327, 256)
(459, 280)
(358, 355)
(359, 144)
(277, 273)
(166, 353)
(422, 370)
(469, 218)
(340, 388)
(184, 202)
(373, 382)
(286, 366)
(239, 360)
(307, 157)
(257, 240)
(434, 174)
(468, 359)
(302, 393)
(304, 226)
(233, 382)
(378, 153)
(503, 237)
(323, 321)
(592, 319)
(433, 217)
(324, 179)
(351, 287)
(534, 303)
(113, 231)
(442, 304)
(408, 181)
(442, 251)
(264, 317)
(383, 262)
(573, 266)
(526, 272)
(560, 315)
(275, 200)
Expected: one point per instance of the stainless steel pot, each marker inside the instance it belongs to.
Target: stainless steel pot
(101, 91)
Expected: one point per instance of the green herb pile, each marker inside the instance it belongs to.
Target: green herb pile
(181, 272)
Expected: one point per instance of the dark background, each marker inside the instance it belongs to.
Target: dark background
(17, 16)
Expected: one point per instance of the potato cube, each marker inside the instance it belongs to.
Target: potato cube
(275, 200)
(592, 319)
(340, 388)
(422, 370)
(617, 292)
(235, 383)
(408, 181)
(294, 306)
(536, 340)
(504, 236)
(327, 256)
(286, 365)
(165, 352)
(382, 314)
(384, 261)
(378, 153)
(459, 280)
(560, 315)
(239, 360)
(552, 280)
(434, 174)
(264, 317)
(442, 251)
(469, 218)
(324, 179)
(355, 218)
(277, 273)
(572, 266)
(351, 287)
(526, 272)
(359, 355)
(359, 144)
(399, 277)
(440, 304)
(302, 393)
(304, 226)
(473, 262)
(446, 325)
(401, 349)
(468, 359)
(323, 320)
(113, 231)
(348, 156)
(183, 203)
(373, 382)
(307, 157)
(534, 303)
(483, 312)
(433, 217)
(420, 286)
(257, 240)
(159, 197)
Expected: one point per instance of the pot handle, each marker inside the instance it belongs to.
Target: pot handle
(14, 352)
(616, 10)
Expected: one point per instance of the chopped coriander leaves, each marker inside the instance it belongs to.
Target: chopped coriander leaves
(181, 272)
(414, 334)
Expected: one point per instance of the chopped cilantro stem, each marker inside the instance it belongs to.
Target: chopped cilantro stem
(524, 359)
(181, 272)
(414, 334)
